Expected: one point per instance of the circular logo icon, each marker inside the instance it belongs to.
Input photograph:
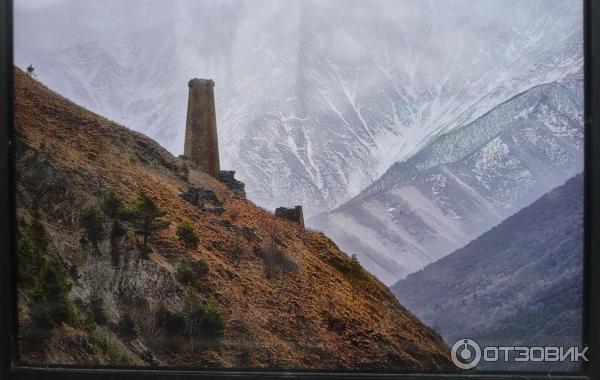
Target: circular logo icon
(466, 353)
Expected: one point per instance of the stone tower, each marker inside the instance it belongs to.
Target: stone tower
(201, 142)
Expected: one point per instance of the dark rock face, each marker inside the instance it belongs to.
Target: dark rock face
(204, 199)
(228, 178)
(294, 214)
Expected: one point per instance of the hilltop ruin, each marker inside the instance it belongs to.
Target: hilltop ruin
(202, 143)
(201, 140)
(294, 214)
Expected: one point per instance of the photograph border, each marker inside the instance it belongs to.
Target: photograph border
(8, 311)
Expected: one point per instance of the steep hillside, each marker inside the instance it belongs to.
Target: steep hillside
(520, 283)
(273, 294)
(464, 182)
(315, 99)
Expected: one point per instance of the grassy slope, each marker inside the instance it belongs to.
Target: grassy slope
(69, 158)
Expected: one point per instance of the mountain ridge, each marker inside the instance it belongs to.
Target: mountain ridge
(499, 288)
(464, 182)
(319, 109)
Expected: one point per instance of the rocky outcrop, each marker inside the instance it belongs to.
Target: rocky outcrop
(204, 199)
(228, 178)
(248, 233)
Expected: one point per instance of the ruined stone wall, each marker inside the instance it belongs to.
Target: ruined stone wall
(294, 214)
(201, 142)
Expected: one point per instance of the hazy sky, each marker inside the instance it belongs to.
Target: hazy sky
(49, 25)
(45, 26)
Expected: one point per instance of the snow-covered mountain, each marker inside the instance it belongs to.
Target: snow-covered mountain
(464, 182)
(316, 99)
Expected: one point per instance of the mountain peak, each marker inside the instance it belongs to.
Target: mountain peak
(313, 112)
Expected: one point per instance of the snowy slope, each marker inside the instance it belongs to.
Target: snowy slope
(316, 99)
(464, 182)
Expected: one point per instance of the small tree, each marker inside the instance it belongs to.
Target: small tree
(189, 271)
(355, 267)
(98, 307)
(172, 323)
(237, 254)
(31, 249)
(276, 261)
(187, 234)
(31, 71)
(92, 225)
(115, 356)
(116, 232)
(38, 233)
(192, 311)
(127, 325)
(49, 302)
(356, 272)
(213, 325)
(147, 217)
(185, 274)
(112, 205)
(201, 321)
(185, 171)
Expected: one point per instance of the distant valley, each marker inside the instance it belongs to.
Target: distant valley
(521, 283)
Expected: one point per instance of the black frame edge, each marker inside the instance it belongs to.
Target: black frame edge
(76, 374)
(7, 288)
(7, 299)
(592, 187)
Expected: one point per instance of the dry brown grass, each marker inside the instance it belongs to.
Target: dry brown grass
(283, 317)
